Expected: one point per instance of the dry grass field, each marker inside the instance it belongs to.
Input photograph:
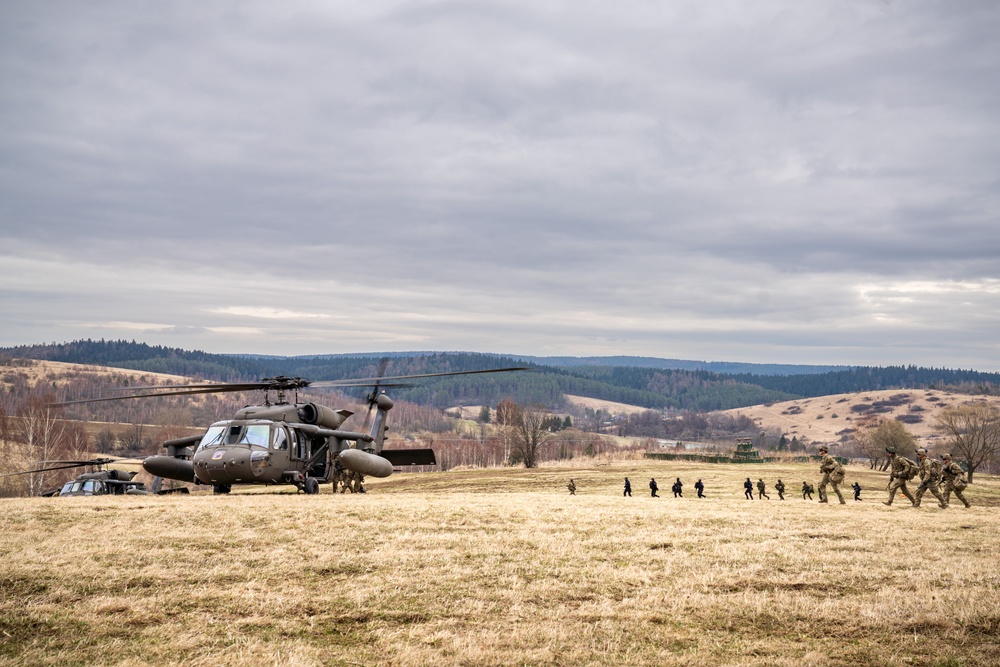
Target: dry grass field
(503, 567)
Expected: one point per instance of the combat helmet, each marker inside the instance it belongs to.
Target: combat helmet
(921, 452)
(823, 448)
(890, 450)
(946, 456)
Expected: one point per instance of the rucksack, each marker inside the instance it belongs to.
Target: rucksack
(909, 470)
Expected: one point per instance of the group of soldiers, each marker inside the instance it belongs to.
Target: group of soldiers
(932, 473)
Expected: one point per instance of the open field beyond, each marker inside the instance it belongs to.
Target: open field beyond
(503, 567)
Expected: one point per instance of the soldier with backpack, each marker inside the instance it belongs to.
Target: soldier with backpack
(902, 470)
(833, 474)
(954, 480)
(930, 477)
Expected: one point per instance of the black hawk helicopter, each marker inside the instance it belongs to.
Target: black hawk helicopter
(285, 442)
(108, 481)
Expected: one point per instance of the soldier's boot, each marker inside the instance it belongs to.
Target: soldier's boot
(841, 496)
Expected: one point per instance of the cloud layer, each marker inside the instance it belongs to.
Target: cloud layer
(775, 182)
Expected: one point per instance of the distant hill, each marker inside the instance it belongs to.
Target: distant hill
(640, 381)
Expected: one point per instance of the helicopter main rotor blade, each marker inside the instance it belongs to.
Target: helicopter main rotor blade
(205, 389)
(367, 382)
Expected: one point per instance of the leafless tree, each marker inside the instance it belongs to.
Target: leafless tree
(38, 433)
(530, 435)
(973, 432)
(874, 435)
(506, 417)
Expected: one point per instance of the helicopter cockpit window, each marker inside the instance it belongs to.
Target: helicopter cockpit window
(212, 437)
(280, 438)
(90, 486)
(256, 434)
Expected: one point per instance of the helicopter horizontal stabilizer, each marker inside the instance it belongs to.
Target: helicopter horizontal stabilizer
(409, 457)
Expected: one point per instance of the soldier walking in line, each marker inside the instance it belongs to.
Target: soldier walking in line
(762, 489)
(700, 488)
(857, 491)
(780, 488)
(628, 488)
(678, 488)
(833, 474)
(807, 490)
(748, 489)
(652, 488)
(901, 471)
(954, 480)
(930, 476)
(572, 487)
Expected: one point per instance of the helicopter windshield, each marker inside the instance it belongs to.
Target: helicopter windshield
(257, 434)
(212, 437)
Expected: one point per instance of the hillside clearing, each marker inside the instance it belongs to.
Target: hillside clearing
(501, 567)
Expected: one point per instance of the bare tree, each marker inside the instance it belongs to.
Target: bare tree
(973, 430)
(38, 433)
(530, 435)
(506, 417)
(874, 435)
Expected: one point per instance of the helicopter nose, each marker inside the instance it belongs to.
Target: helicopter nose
(224, 466)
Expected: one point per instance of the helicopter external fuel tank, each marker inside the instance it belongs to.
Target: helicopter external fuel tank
(169, 467)
(365, 463)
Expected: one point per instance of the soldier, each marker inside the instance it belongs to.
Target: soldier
(807, 490)
(780, 488)
(572, 487)
(930, 477)
(954, 480)
(628, 488)
(902, 470)
(857, 491)
(833, 474)
(700, 488)
(652, 488)
(748, 489)
(678, 488)
(762, 490)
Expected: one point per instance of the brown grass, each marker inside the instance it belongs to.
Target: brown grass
(503, 567)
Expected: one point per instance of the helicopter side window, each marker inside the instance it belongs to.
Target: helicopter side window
(280, 438)
(90, 487)
(212, 437)
(256, 434)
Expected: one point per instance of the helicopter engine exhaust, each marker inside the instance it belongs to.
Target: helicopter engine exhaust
(365, 463)
(170, 468)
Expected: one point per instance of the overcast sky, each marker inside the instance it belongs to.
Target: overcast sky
(769, 181)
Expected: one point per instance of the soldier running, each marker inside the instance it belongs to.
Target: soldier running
(700, 488)
(930, 476)
(807, 490)
(954, 480)
(780, 488)
(653, 488)
(572, 487)
(833, 474)
(748, 489)
(902, 470)
(628, 488)
(857, 491)
(762, 490)
(678, 488)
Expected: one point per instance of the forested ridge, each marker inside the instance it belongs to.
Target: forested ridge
(651, 387)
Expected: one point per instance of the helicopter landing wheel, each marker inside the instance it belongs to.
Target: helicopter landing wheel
(221, 488)
(311, 486)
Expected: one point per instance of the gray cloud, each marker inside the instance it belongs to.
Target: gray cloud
(787, 182)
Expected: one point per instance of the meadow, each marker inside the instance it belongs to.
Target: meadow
(504, 567)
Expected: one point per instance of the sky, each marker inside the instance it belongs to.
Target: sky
(774, 182)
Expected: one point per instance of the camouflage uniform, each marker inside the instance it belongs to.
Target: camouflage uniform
(780, 488)
(572, 487)
(897, 482)
(762, 490)
(930, 475)
(807, 490)
(831, 471)
(954, 480)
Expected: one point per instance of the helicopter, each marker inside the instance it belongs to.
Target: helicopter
(286, 442)
(110, 481)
